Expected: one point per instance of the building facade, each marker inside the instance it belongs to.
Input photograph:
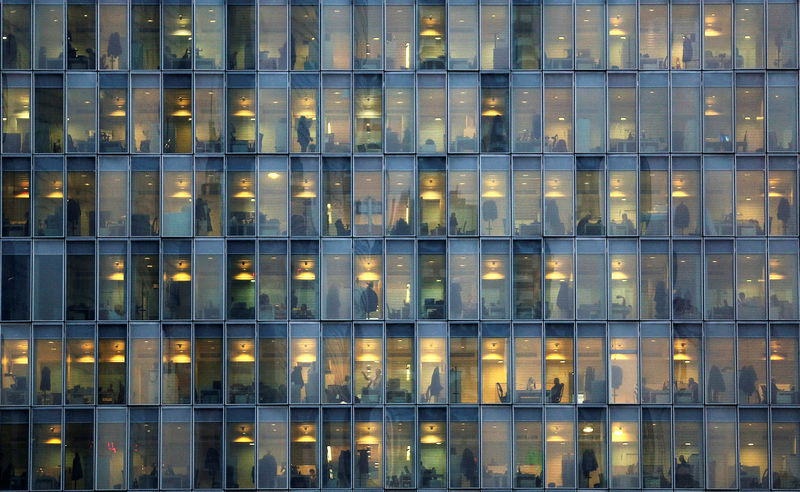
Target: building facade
(496, 244)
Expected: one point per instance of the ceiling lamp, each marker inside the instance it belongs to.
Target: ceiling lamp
(181, 277)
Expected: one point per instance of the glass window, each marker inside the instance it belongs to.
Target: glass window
(717, 121)
(336, 432)
(273, 125)
(622, 35)
(464, 446)
(625, 434)
(749, 113)
(526, 35)
(177, 365)
(336, 188)
(589, 197)
(591, 350)
(241, 280)
(111, 367)
(653, 293)
(81, 109)
(590, 279)
(208, 207)
(752, 349)
(241, 364)
(368, 366)
(112, 300)
(145, 202)
(432, 101)
(494, 280)
(624, 361)
(48, 38)
(463, 365)
(400, 47)
(590, 112)
(336, 353)
(783, 364)
(432, 276)
(557, 35)
(688, 383)
(143, 448)
(367, 283)
(79, 441)
(432, 200)
(178, 113)
(463, 36)
(720, 373)
(113, 36)
(15, 365)
(781, 35)
(368, 42)
(399, 280)
(622, 279)
(305, 284)
(273, 206)
(80, 365)
(176, 432)
(208, 364)
(208, 40)
(558, 363)
(559, 467)
(558, 280)
(751, 298)
(16, 36)
(494, 113)
(526, 120)
(558, 112)
(304, 377)
(16, 196)
(686, 196)
(592, 447)
(654, 196)
(589, 42)
(718, 196)
(16, 113)
(400, 365)
(304, 448)
(686, 112)
(241, 113)
(49, 114)
(272, 363)
(400, 211)
(783, 298)
(495, 353)
(305, 37)
(48, 196)
(16, 280)
(433, 382)
(272, 35)
(622, 114)
(177, 258)
(209, 92)
(721, 445)
(208, 448)
(656, 367)
(336, 113)
(717, 36)
(432, 35)
(81, 36)
(305, 92)
(494, 35)
(528, 451)
(177, 34)
(48, 280)
(653, 37)
(689, 448)
(113, 113)
(463, 196)
(177, 197)
(273, 280)
(400, 447)
(656, 447)
(144, 377)
(145, 36)
(463, 111)
(528, 363)
(685, 36)
(272, 447)
(368, 197)
(433, 447)
(654, 112)
(719, 280)
(208, 278)
(241, 196)
(785, 432)
(781, 124)
(749, 39)
(399, 118)
(336, 31)
(368, 108)
(145, 122)
(111, 429)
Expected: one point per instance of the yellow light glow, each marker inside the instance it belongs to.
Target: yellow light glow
(181, 277)
(118, 113)
(182, 32)
(618, 276)
(244, 357)
(555, 356)
(53, 440)
(244, 112)
(119, 276)
(431, 195)
(492, 356)
(554, 194)
(493, 194)
(681, 356)
(23, 359)
(618, 356)
(776, 276)
(24, 194)
(181, 359)
(679, 194)
(369, 277)
(306, 358)
(181, 194)
(243, 440)
(491, 112)
(85, 359)
(273, 175)
(431, 439)
(244, 276)
(431, 358)
(712, 33)
(55, 194)
(616, 194)
(555, 276)
(306, 194)
(306, 438)
(244, 194)
(616, 31)
(117, 359)
(306, 276)
(493, 276)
